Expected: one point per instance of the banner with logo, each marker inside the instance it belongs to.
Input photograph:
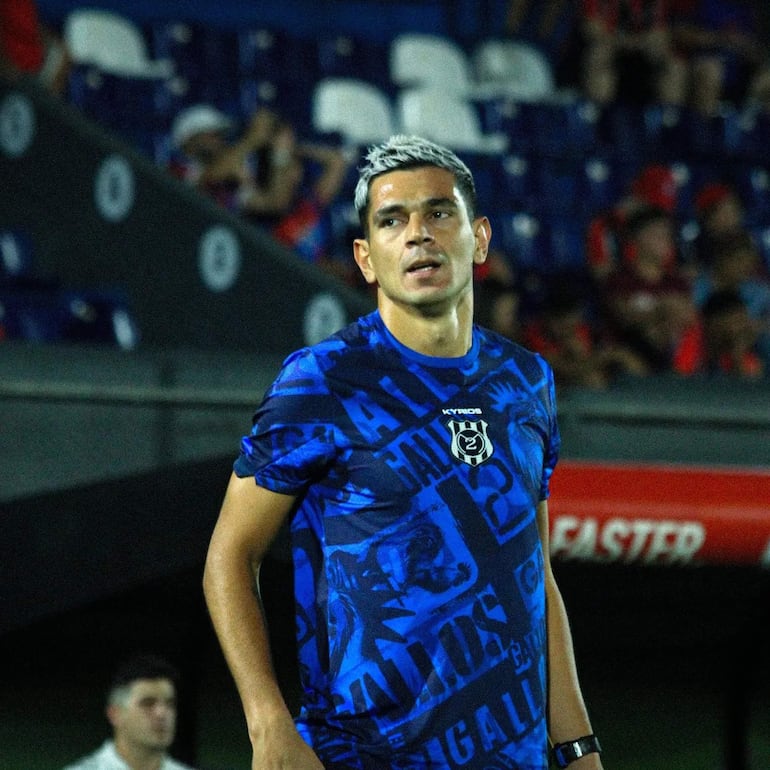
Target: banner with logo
(660, 514)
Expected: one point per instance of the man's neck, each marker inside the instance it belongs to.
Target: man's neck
(138, 758)
(443, 335)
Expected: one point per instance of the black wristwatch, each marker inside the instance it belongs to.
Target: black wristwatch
(566, 753)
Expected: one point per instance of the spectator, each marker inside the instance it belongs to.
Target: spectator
(237, 173)
(655, 186)
(563, 335)
(548, 24)
(726, 34)
(141, 708)
(724, 342)
(498, 306)
(736, 266)
(720, 212)
(626, 48)
(27, 46)
(705, 86)
(648, 303)
(261, 175)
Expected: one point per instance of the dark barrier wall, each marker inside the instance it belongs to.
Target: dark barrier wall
(100, 215)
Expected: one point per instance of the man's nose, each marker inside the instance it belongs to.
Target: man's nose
(419, 230)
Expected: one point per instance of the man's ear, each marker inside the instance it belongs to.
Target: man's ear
(113, 714)
(361, 255)
(482, 231)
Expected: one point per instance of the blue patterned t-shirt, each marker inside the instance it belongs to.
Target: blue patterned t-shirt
(420, 603)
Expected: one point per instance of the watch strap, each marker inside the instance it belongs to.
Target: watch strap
(566, 753)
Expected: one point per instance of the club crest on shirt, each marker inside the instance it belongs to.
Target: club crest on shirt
(470, 442)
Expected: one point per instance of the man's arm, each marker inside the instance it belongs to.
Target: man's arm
(248, 522)
(568, 716)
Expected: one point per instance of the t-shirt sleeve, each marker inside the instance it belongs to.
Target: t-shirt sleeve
(292, 439)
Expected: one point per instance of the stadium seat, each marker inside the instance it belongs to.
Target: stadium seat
(752, 183)
(120, 102)
(278, 56)
(761, 235)
(522, 239)
(111, 42)
(205, 59)
(565, 128)
(31, 315)
(514, 183)
(101, 317)
(16, 255)
(447, 119)
(356, 110)
(565, 239)
(512, 68)
(600, 184)
(557, 185)
(345, 56)
(430, 61)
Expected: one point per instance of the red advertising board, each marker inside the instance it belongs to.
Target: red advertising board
(660, 514)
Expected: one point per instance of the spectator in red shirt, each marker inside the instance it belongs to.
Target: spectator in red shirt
(626, 49)
(27, 46)
(724, 342)
(563, 335)
(648, 303)
(654, 186)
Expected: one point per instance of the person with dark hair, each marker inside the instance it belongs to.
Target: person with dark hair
(647, 304)
(654, 186)
(562, 333)
(141, 708)
(725, 342)
(410, 456)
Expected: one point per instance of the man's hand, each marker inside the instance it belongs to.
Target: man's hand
(280, 747)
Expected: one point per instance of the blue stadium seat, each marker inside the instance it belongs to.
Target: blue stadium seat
(49, 314)
(506, 116)
(17, 255)
(294, 102)
(31, 315)
(624, 131)
(205, 59)
(565, 239)
(752, 183)
(98, 316)
(484, 168)
(278, 56)
(522, 239)
(514, 182)
(562, 129)
(116, 101)
(761, 235)
(600, 184)
(556, 185)
(346, 56)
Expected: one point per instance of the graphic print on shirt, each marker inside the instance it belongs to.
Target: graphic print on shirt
(418, 568)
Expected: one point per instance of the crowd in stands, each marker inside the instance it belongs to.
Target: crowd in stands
(667, 274)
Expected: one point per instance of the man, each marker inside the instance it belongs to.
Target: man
(141, 707)
(411, 454)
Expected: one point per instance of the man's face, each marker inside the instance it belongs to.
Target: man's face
(655, 241)
(204, 146)
(422, 244)
(146, 717)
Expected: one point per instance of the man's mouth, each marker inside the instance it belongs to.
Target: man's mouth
(423, 266)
